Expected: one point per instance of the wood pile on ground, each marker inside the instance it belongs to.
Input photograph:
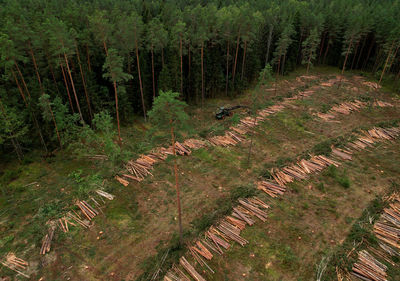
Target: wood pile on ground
(347, 107)
(387, 228)
(271, 188)
(88, 211)
(218, 238)
(46, 244)
(369, 268)
(380, 103)
(194, 144)
(16, 264)
(317, 163)
(372, 85)
(229, 139)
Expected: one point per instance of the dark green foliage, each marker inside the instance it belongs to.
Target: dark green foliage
(83, 47)
(340, 177)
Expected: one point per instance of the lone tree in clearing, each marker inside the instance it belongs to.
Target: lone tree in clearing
(168, 114)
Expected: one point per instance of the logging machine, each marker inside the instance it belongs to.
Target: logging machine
(222, 112)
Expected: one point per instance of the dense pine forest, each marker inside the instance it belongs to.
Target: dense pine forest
(71, 67)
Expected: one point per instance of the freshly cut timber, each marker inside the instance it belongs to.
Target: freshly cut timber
(341, 153)
(15, 264)
(194, 143)
(46, 244)
(105, 194)
(190, 269)
(271, 188)
(122, 181)
(226, 140)
(88, 211)
(369, 268)
(379, 103)
(372, 85)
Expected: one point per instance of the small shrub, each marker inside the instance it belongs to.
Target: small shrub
(321, 187)
(243, 192)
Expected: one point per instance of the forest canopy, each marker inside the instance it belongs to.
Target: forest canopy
(65, 63)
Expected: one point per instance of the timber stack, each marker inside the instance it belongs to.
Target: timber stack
(219, 238)
(369, 268)
(15, 264)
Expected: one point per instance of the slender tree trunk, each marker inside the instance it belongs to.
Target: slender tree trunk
(361, 51)
(23, 80)
(271, 28)
(244, 59)
(178, 198)
(368, 54)
(299, 47)
(117, 110)
(355, 55)
(326, 52)
(236, 56)
(393, 58)
(67, 87)
(140, 79)
(88, 58)
(13, 139)
(308, 63)
(73, 88)
(387, 59)
(181, 55)
(162, 57)
(377, 60)
(277, 73)
(202, 74)
(227, 68)
(84, 83)
(152, 72)
(322, 46)
(190, 73)
(283, 63)
(35, 122)
(42, 91)
(347, 55)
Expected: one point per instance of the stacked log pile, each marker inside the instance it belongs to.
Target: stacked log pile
(317, 163)
(379, 103)
(219, 238)
(46, 244)
(387, 230)
(16, 264)
(372, 85)
(369, 268)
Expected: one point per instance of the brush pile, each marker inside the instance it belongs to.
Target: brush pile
(369, 268)
(218, 238)
(15, 264)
